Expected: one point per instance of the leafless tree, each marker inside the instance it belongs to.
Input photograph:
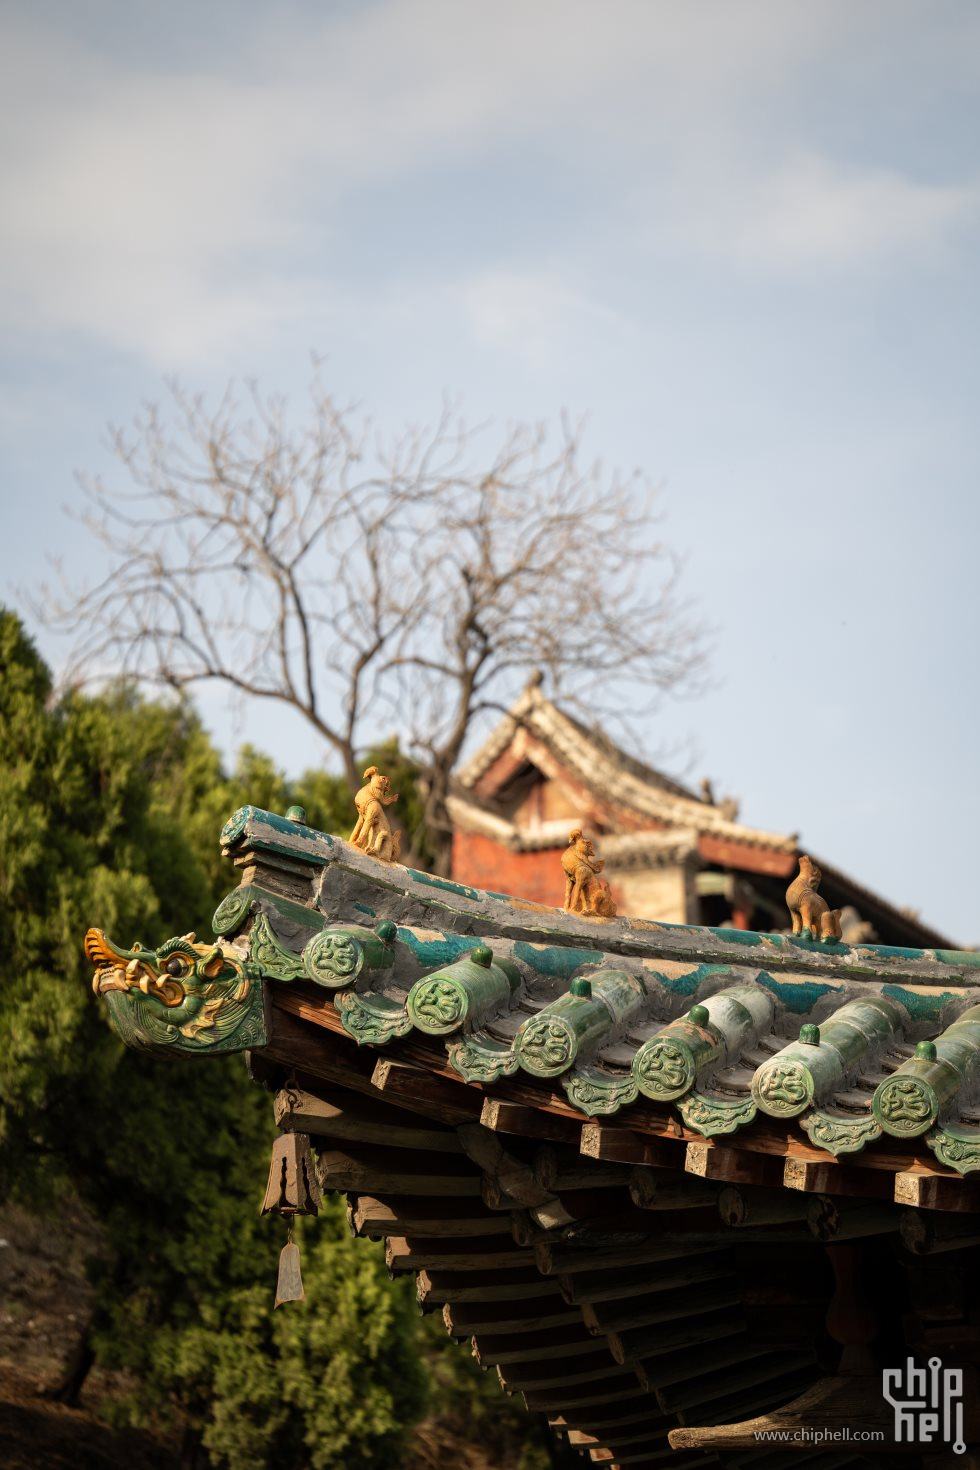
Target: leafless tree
(370, 585)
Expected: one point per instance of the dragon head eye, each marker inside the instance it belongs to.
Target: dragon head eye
(175, 967)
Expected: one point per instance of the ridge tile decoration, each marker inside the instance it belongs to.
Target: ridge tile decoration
(372, 831)
(809, 910)
(183, 996)
(719, 1026)
(462, 993)
(585, 891)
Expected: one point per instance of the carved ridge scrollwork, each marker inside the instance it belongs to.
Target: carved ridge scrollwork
(271, 957)
(905, 1106)
(476, 1062)
(333, 958)
(547, 1046)
(598, 1096)
(959, 1152)
(233, 909)
(782, 1088)
(664, 1069)
(371, 1025)
(840, 1135)
(709, 1116)
(437, 1005)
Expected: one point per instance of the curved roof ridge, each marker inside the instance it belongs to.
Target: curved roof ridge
(533, 710)
(598, 760)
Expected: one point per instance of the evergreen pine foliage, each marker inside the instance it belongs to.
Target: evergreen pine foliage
(110, 808)
(356, 1326)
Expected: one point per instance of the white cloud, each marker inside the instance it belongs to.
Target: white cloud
(811, 214)
(175, 210)
(535, 315)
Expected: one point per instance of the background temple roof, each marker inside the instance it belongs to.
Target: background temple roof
(653, 817)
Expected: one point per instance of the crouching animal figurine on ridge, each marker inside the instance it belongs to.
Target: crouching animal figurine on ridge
(585, 891)
(372, 832)
(810, 912)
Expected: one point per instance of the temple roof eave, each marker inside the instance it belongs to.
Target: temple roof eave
(594, 1252)
(717, 1026)
(469, 814)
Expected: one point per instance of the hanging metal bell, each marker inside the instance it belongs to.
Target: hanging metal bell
(292, 1187)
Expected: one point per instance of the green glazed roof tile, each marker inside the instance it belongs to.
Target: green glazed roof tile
(717, 1024)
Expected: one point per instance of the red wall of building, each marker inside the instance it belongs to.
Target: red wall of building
(483, 863)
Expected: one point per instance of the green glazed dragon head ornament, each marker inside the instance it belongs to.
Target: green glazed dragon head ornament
(182, 997)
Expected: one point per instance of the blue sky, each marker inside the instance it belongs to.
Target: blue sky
(739, 235)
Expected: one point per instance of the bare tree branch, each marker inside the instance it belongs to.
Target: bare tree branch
(412, 583)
